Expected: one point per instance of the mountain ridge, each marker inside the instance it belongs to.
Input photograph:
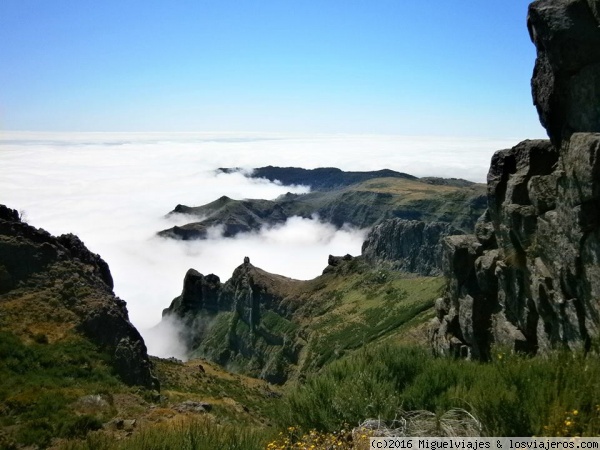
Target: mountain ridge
(360, 204)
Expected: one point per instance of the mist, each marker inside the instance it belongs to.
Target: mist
(114, 191)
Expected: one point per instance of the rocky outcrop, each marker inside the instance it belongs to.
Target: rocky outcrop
(37, 270)
(408, 245)
(336, 262)
(530, 276)
(243, 324)
(566, 78)
(199, 292)
(79, 251)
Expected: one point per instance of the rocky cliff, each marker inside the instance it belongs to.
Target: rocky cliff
(277, 328)
(408, 245)
(243, 324)
(54, 288)
(529, 277)
(566, 77)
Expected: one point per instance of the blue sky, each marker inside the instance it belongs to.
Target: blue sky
(456, 68)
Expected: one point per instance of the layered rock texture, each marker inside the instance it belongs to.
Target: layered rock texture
(408, 245)
(54, 288)
(529, 277)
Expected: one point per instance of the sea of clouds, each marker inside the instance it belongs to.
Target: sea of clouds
(114, 190)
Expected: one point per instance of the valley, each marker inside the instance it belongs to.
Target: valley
(472, 309)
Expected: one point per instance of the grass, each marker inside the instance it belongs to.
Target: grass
(511, 396)
(236, 398)
(44, 384)
(368, 305)
(41, 382)
(185, 434)
(65, 391)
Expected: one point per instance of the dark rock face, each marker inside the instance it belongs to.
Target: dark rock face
(35, 264)
(242, 323)
(408, 245)
(336, 261)
(79, 251)
(566, 77)
(530, 277)
(199, 292)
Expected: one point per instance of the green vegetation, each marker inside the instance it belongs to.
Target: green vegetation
(324, 319)
(513, 395)
(66, 390)
(361, 204)
(184, 434)
(278, 325)
(41, 382)
(365, 306)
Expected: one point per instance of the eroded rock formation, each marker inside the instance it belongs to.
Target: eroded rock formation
(566, 77)
(243, 323)
(530, 276)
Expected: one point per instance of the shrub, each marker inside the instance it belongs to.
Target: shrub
(511, 395)
(80, 426)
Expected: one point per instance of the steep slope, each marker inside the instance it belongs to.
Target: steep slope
(362, 204)
(56, 286)
(277, 328)
(67, 349)
(530, 276)
(408, 245)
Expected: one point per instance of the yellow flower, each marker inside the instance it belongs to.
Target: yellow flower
(575, 412)
(568, 423)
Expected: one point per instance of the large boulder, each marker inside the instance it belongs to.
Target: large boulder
(566, 77)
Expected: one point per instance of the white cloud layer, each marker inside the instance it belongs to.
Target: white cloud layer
(113, 191)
